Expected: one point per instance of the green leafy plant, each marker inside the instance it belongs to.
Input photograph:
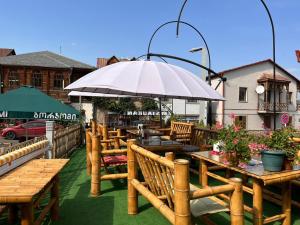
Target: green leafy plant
(281, 140)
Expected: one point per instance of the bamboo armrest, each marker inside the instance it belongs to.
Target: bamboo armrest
(107, 141)
(113, 132)
(163, 129)
(114, 152)
(120, 137)
(209, 191)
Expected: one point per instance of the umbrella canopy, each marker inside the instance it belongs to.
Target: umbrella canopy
(30, 103)
(147, 79)
(90, 94)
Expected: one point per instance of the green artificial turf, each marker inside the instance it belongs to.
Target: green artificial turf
(77, 208)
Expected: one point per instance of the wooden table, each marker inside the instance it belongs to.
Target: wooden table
(261, 178)
(148, 132)
(26, 185)
(158, 144)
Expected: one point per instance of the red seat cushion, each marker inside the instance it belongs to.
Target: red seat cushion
(115, 160)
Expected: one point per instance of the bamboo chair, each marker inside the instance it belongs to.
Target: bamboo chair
(97, 158)
(112, 138)
(178, 131)
(168, 189)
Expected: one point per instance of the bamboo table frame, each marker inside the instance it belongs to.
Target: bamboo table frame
(26, 185)
(260, 178)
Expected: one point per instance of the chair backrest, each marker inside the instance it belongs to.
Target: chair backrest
(201, 136)
(158, 173)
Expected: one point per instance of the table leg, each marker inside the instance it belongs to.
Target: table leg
(12, 213)
(27, 214)
(55, 195)
(286, 202)
(203, 179)
(257, 202)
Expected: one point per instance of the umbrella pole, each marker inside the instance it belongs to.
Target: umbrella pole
(160, 116)
(26, 131)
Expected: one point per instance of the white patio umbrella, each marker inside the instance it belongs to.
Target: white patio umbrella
(91, 94)
(147, 79)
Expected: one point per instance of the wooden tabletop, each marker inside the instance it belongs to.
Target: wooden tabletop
(24, 182)
(256, 171)
(157, 144)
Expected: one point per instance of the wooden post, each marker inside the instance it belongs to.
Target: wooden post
(94, 127)
(132, 174)
(88, 142)
(286, 202)
(203, 178)
(257, 202)
(55, 195)
(119, 133)
(170, 156)
(27, 216)
(96, 166)
(237, 203)
(182, 192)
(12, 213)
(117, 144)
(105, 136)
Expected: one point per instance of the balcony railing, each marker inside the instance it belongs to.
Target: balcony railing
(267, 106)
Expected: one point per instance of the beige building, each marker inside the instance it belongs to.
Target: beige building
(254, 106)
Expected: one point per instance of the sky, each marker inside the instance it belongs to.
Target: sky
(237, 32)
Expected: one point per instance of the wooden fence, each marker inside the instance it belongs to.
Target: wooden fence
(8, 149)
(65, 140)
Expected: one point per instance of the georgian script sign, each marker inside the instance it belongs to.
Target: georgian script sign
(147, 113)
(38, 115)
(3, 114)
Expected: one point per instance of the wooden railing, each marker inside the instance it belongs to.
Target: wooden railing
(65, 140)
(267, 106)
(5, 150)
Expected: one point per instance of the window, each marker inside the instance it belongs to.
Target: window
(192, 101)
(169, 100)
(13, 78)
(37, 79)
(58, 81)
(241, 121)
(243, 94)
(290, 97)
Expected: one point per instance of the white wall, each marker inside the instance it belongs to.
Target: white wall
(88, 108)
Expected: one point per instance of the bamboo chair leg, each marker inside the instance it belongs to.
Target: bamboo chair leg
(286, 202)
(27, 216)
(203, 178)
(95, 179)
(88, 152)
(132, 174)
(182, 192)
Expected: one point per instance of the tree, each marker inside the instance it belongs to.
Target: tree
(149, 104)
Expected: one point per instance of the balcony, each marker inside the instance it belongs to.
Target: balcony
(265, 107)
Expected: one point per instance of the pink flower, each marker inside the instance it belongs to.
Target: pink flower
(235, 141)
(236, 128)
(219, 126)
(232, 116)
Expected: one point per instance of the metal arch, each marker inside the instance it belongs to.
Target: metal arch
(141, 56)
(273, 45)
(188, 24)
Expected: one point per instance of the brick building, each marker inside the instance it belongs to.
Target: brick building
(101, 62)
(7, 52)
(45, 70)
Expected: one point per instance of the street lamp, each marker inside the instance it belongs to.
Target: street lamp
(202, 104)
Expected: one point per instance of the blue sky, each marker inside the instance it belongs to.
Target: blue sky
(237, 31)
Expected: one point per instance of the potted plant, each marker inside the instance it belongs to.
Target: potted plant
(280, 146)
(235, 144)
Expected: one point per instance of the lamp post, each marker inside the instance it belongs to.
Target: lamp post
(273, 51)
(202, 104)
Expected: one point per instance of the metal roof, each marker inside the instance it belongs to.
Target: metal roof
(43, 59)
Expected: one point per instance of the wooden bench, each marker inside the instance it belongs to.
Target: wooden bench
(24, 180)
(178, 131)
(166, 186)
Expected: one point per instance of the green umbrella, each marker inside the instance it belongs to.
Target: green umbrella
(30, 103)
